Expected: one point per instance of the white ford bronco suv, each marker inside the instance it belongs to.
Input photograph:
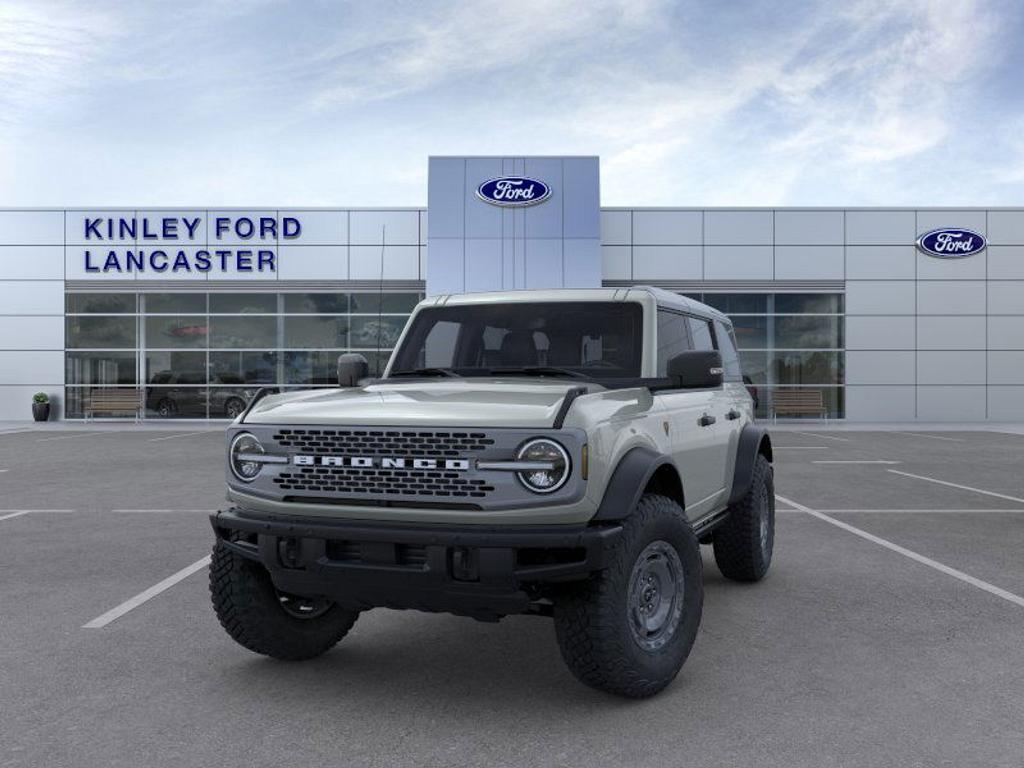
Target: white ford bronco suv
(560, 453)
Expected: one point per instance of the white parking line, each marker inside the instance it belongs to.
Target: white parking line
(801, 447)
(186, 434)
(964, 577)
(915, 511)
(9, 513)
(14, 431)
(855, 461)
(14, 514)
(159, 511)
(823, 437)
(115, 613)
(957, 485)
(5, 470)
(68, 437)
(931, 437)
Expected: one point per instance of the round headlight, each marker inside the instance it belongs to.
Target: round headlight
(243, 448)
(552, 465)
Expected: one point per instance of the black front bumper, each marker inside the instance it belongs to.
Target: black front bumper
(485, 572)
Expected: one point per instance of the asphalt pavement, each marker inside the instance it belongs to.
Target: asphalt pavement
(888, 632)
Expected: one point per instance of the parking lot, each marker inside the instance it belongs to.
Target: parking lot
(890, 630)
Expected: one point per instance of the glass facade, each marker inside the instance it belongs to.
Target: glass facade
(201, 355)
(787, 342)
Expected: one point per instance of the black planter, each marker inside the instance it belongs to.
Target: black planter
(41, 411)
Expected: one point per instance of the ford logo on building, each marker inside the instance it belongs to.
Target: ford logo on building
(951, 243)
(513, 191)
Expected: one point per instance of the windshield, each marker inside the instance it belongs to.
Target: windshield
(596, 340)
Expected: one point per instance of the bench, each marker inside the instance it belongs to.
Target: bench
(113, 401)
(799, 402)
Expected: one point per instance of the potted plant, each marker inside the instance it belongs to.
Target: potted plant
(41, 406)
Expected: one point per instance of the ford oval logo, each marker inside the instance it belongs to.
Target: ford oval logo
(951, 243)
(514, 191)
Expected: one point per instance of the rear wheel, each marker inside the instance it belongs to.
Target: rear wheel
(745, 541)
(630, 628)
(267, 621)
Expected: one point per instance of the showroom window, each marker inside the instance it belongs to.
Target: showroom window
(788, 341)
(200, 355)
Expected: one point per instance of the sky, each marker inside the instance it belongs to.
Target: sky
(304, 103)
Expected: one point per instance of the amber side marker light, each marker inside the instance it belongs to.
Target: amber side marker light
(585, 461)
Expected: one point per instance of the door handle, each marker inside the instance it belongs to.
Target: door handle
(732, 415)
(706, 420)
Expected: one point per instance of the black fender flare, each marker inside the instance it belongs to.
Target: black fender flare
(628, 481)
(753, 440)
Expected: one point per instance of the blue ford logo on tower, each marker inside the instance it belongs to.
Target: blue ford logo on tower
(513, 191)
(951, 243)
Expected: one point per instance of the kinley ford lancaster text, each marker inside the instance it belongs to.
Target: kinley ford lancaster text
(167, 258)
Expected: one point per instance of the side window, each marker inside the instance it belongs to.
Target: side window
(673, 338)
(730, 357)
(701, 331)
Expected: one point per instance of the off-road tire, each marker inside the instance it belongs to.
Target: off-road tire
(592, 620)
(740, 552)
(249, 609)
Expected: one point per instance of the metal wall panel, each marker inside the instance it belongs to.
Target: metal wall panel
(809, 262)
(809, 227)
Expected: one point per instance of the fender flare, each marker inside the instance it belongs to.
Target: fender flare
(754, 440)
(628, 481)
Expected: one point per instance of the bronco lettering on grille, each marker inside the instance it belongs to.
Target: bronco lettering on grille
(380, 462)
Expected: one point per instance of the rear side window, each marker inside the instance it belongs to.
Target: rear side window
(730, 357)
(673, 338)
(700, 330)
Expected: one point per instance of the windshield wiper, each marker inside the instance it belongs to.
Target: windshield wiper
(537, 370)
(425, 372)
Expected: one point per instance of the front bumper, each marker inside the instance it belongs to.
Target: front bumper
(485, 572)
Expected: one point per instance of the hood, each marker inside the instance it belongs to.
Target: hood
(446, 403)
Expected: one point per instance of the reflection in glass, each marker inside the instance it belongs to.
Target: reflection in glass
(316, 303)
(243, 332)
(100, 368)
(363, 303)
(229, 402)
(311, 368)
(176, 332)
(738, 303)
(809, 303)
(808, 368)
(314, 332)
(173, 303)
(175, 367)
(751, 332)
(243, 367)
(100, 332)
(371, 332)
(176, 402)
(100, 303)
(808, 332)
(243, 303)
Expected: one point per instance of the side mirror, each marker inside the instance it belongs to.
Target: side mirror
(352, 367)
(696, 369)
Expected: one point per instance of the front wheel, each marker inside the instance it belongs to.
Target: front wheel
(266, 621)
(630, 628)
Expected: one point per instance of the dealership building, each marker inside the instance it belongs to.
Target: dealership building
(864, 314)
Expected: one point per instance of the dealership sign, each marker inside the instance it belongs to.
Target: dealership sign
(951, 243)
(513, 191)
(228, 244)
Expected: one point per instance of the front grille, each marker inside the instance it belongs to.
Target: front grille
(350, 481)
(382, 442)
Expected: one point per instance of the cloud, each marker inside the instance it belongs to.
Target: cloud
(770, 102)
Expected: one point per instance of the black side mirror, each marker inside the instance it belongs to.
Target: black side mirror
(696, 369)
(352, 367)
